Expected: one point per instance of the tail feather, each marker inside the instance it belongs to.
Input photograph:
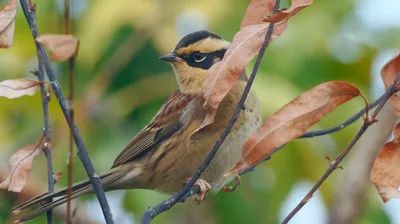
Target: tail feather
(42, 198)
(78, 189)
(52, 204)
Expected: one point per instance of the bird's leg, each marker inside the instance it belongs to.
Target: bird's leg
(230, 189)
(204, 188)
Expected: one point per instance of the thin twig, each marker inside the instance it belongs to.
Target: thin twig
(349, 121)
(82, 152)
(351, 192)
(47, 141)
(67, 17)
(46, 129)
(71, 63)
(149, 214)
(335, 164)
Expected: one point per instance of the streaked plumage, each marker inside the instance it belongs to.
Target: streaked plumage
(168, 151)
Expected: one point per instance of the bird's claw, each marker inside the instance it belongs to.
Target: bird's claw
(204, 188)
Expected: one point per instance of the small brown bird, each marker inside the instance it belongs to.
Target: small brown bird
(168, 151)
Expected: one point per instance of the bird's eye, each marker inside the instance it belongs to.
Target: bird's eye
(198, 57)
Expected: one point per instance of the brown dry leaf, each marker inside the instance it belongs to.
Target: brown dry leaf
(57, 176)
(385, 173)
(257, 11)
(61, 46)
(245, 46)
(21, 165)
(223, 75)
(388, 74)
(296, 7)
(293, 120)
(7, 23)
(14, 88)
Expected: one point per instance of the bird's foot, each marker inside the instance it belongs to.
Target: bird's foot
(204, 188)
(230, 189)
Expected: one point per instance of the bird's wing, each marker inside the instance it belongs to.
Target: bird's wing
(164, 124)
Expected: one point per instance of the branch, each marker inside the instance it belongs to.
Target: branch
(71, 63)
(82, 152)
(350, 192)
(335, 164)
(46, 129)
(47, 140)
(149, 214)
(349, 121)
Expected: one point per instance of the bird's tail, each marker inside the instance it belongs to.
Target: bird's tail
(42, 204)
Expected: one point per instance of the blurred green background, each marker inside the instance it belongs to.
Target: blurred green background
(120, 85)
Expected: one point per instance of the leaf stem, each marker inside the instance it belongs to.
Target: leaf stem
(71, 63)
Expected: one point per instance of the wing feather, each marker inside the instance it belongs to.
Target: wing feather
(164, 124)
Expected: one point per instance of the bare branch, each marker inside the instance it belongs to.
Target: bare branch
(71, 63)
(350, 193)
(341, 126)
(47, 139)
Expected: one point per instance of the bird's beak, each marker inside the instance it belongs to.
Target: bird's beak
(170, 58)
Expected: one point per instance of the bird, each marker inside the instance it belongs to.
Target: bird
(168, 151)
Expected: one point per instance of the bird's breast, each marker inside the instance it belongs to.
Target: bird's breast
(248, 122)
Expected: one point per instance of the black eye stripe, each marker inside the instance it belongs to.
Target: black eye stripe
(219, 54)
(207, 62)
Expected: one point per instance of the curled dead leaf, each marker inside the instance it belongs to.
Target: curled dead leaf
(257, 11)
(388, 73)
(385, 173)
(14, 88)
(293, 120)
(21, 165)
(7, 23)
(245, 46)
(61, 47)
(297, 6)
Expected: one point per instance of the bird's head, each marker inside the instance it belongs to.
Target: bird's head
(193, 56)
